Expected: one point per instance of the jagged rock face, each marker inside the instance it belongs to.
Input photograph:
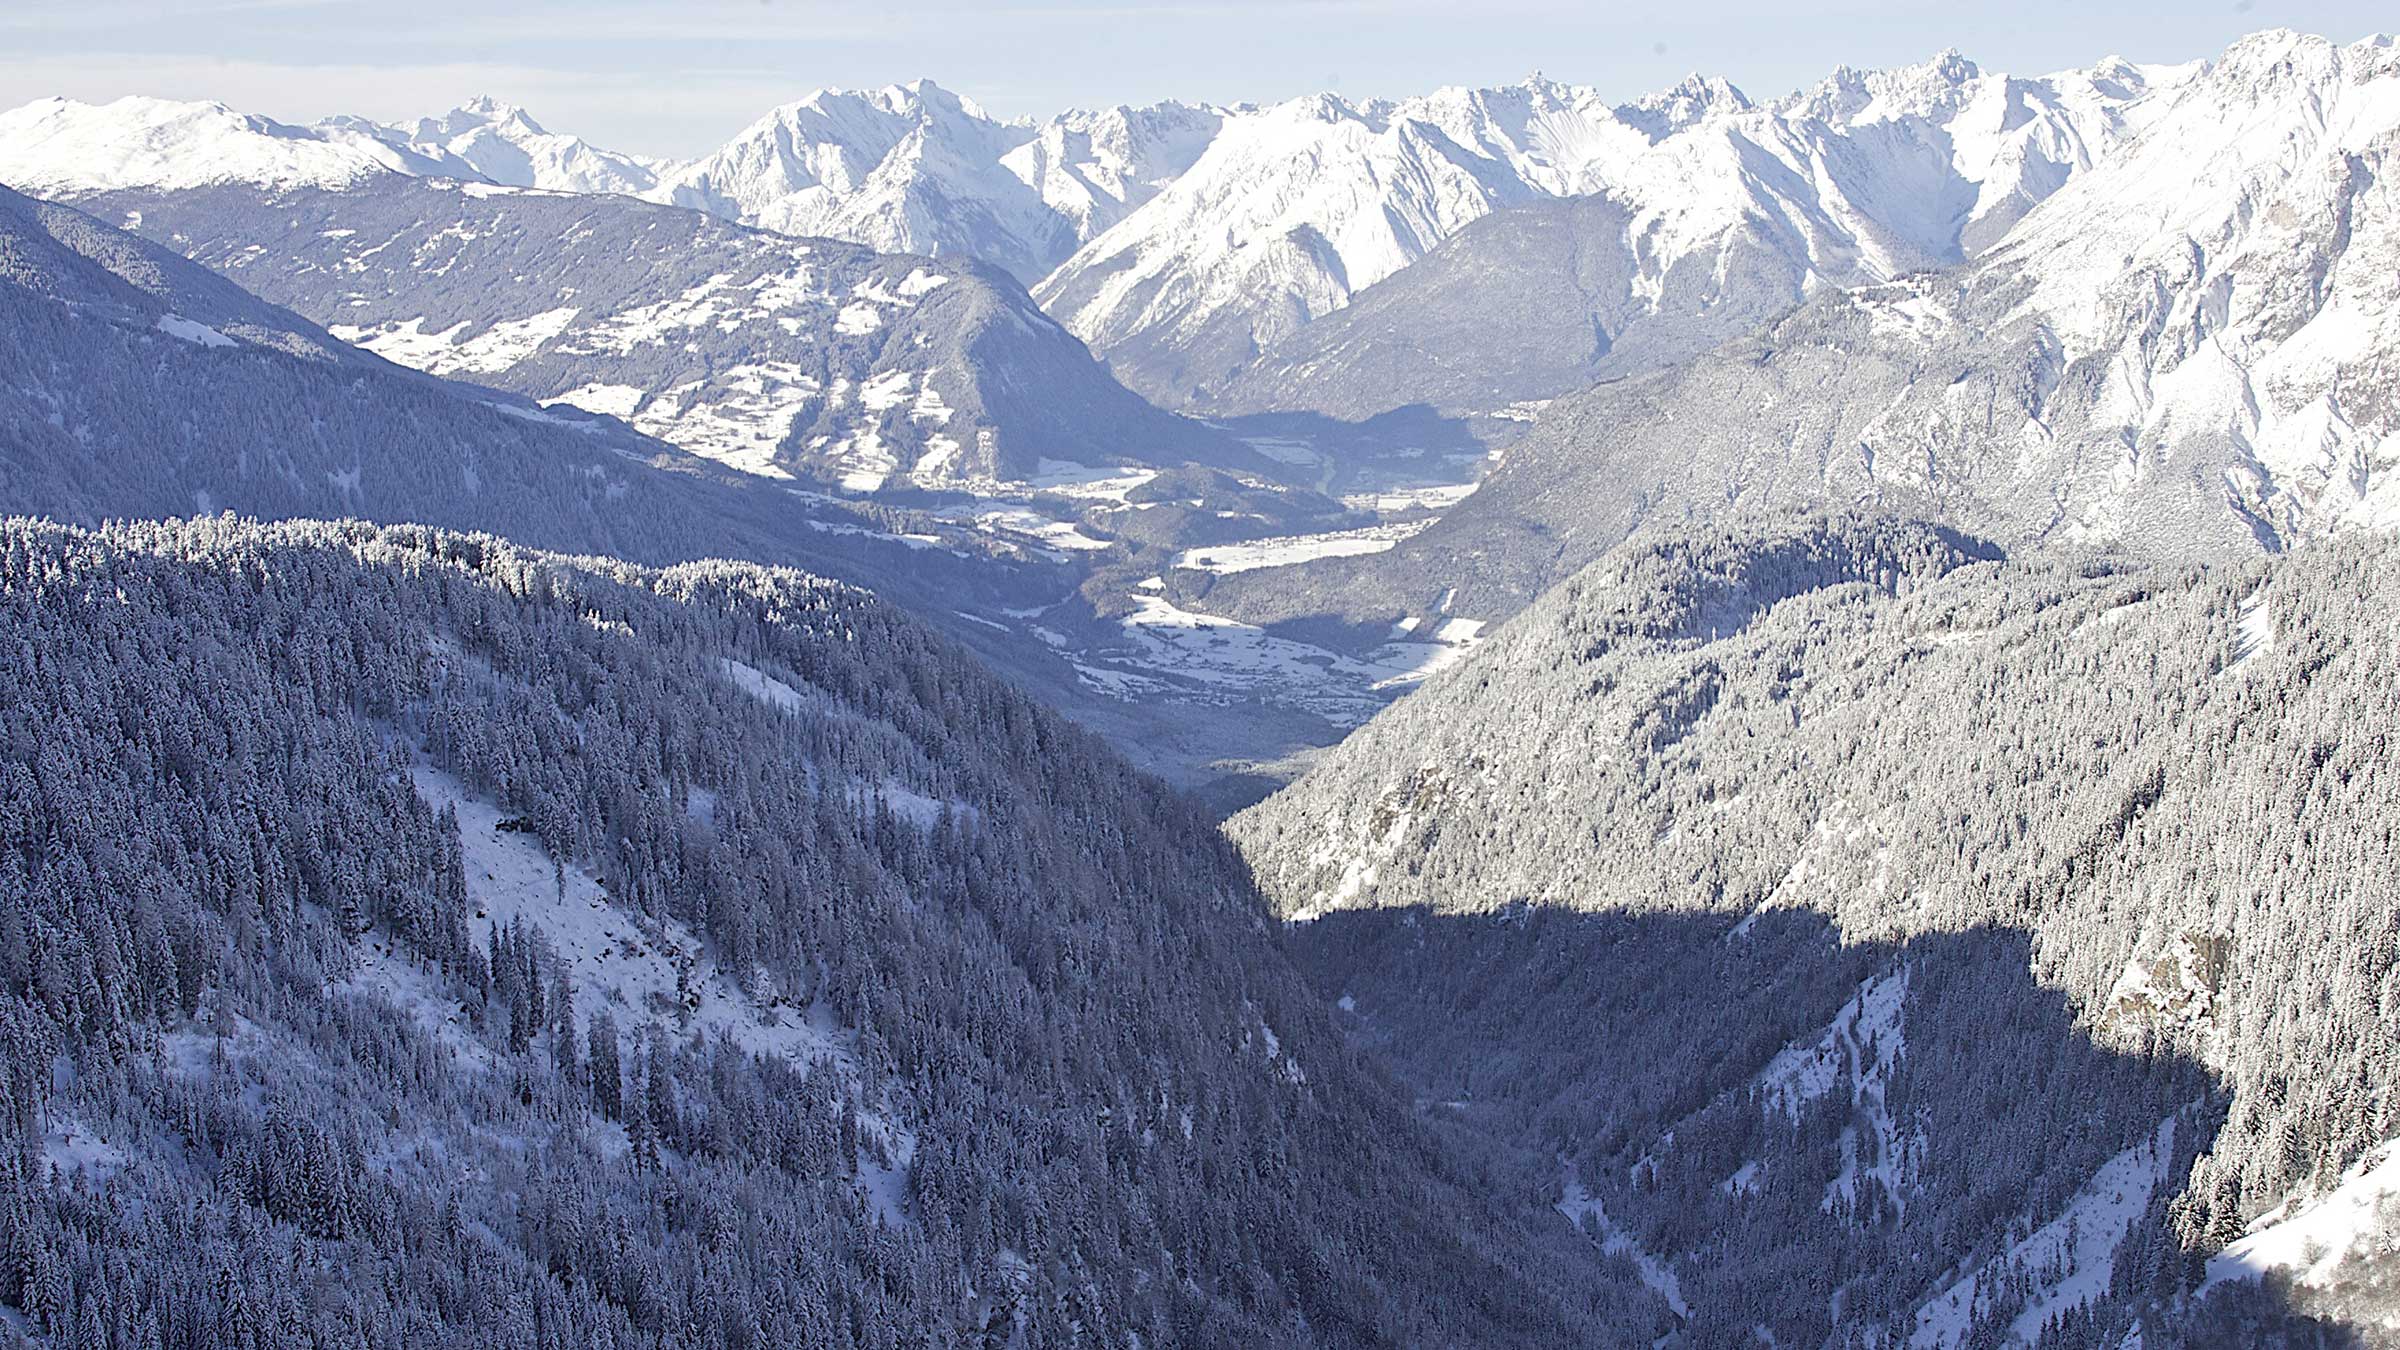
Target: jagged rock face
(2230, 283)
(779, 356)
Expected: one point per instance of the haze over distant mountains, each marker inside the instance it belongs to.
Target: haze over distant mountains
(1186, 241)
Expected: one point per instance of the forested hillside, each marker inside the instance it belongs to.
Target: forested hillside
(1887, 937)
(406, 938)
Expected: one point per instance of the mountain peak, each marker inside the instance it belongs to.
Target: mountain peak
(2271, 40)
(1713, 87)
(2260, 54)
(492, 111)
(478, 113)
(1320, 107)
(1951, 66)
(932, 95)
(919, 97)
(1694, 98)
(1850, 92)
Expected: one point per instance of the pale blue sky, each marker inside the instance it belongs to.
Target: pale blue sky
(677, 78)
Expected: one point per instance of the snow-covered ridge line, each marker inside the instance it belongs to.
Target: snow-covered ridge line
(59, 146)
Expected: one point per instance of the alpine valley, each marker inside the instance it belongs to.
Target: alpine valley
(1508, 717)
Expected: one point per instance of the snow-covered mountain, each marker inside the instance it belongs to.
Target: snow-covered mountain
(1923, 924)
(1185, 243)
(778, 356)
(759, 884)
(1295, 207)
(992, 439)
(1730, 213)
(56, 146)
(136, 383)
(59, 146)
(503, 144)
(477, 244)
(2186, 351)
(1096, 167)
(2230, 286)
(917, 169)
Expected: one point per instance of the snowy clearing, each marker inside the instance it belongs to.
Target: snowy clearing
(1391, 501)
(2310, 1240)
(1254, 554)
(1579, 1205)
(2254, 633)
(2070, 1258)
(496, 349)
(644, 970)
(192, 331)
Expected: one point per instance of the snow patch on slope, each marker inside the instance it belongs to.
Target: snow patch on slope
(1253, 554)
(2254, 633)
(2069, 1258)
(642, 969)
(1864, 1040)
(2310, 1240)
(1862, 1047)
(192, 331)
(497, 348)
(1582, 1208)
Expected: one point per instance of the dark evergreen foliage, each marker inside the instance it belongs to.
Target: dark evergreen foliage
(1048, 1114)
